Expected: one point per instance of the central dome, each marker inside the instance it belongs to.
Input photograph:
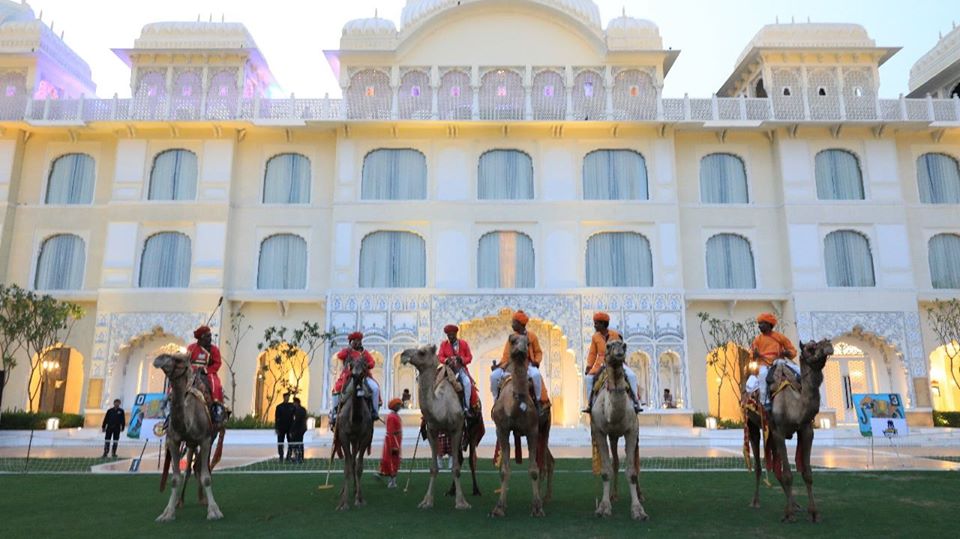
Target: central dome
(416, 11)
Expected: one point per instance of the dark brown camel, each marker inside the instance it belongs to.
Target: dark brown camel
(354, 432)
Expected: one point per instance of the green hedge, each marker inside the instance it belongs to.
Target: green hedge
(21, 420)
(700, 419)
(248, 422)
(946, 419)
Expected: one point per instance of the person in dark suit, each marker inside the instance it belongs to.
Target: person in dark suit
(113, 423)
(298, 428)
(282, 420)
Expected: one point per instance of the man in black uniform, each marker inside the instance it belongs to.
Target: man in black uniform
(282, 421)
(298, 428)
(113, 423)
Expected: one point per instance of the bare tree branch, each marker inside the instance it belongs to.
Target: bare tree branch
(944, 318)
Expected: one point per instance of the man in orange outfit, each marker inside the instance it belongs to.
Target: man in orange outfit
(534, 356)
(597, 357)
(769, 347)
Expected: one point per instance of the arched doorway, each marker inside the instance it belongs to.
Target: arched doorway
(861, 363)
(138, 374)
(726, 375)
(670, 376)
(943, 387)
(280, 370)
(404, 377)
(640, 363)
(57, 381)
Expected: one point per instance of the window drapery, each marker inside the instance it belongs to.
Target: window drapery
(392, 259)
(730, 262)
(838, 176)
(283, 263)
(505, 175)
(60, 265)
(848, 259)
(614, 175)
(166, 261)
(939, 179)
(174, 176)
(505, 260)
(723, 179)
(287, 180)
(71, 180)
(945, 260)
(619, 259)
(394, 174)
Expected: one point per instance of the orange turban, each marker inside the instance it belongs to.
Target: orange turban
(521, 317)
(769, 318)
(395, 404)
(601, 316)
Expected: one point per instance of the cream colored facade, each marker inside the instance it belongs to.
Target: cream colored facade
(458, 79)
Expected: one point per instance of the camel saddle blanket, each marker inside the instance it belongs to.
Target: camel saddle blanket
(751, 403)
(503, 382)
(781, 378)
(446, 374)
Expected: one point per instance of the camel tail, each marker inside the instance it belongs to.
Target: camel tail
(519, 447)
(218, 453)
(166, 469)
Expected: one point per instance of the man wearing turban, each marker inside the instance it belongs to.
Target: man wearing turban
(534, 356)
(205, 357)
(392, 443)
(597, 357)
(354, 351)
(458, 348)
(769, 347)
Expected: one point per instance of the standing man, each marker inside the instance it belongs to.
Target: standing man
(534, 356)
(390, 459)
(351, 353)
(113, 423)
(596, 360)
(282, 421)
(298, 428)
(205, 357)
(458, 349)
(769, 347)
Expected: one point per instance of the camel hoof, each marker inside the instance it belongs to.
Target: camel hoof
(476, 492)
(605, 509)
(788, 519)
(166, 517)
(637, 513)
(213, 513)
(499, 511)
(815, 517)
(755, 504)
(427, 503)
(344, 506)
(360, 503)
(464, 505)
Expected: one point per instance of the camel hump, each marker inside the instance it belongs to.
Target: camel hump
(781, 377)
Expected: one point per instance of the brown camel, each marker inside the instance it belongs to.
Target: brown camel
(354, 432)
(190, 424)
(442, 413)
(514, 413)
(612, 417)
(793, 412)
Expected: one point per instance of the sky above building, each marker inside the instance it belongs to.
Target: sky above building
(293, 33)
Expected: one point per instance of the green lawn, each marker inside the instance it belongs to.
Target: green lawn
(681, 504)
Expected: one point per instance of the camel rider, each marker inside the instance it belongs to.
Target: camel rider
(597, 357)
(350, 353)
(534, 356)
(458, 348)
(205, 357)
(769, 348)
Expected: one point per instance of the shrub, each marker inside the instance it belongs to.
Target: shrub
(21, 420)
(730, 424)
(700, 419)
(248, 422)
(946, 419)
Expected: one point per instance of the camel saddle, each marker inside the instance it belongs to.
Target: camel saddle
(201, 389)
(779, 378)
(544, 403)
(445, 373)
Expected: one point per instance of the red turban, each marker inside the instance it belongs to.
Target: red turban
(450, 328)
(769, 318)
(521, 317)
(601, 316)
(355, 336)
(200, 331)
(395, 404)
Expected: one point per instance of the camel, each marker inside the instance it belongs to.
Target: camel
(190, 424)
(514, 412)
(793, 412)
(612, 417)
(442, 412)
(354, 433)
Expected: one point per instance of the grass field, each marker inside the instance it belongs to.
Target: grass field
(681, 504)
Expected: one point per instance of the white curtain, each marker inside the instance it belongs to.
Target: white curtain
(505, 260)
(283, 263)
(614, 175)
(838, 176)
(174, 176)
(723, 179)
(945, 261)
(394, 174)
(730, 262)
(287, 180)
(391, 259)
(505, 175)
(620, 259)
(848, 259)
(166, 261)
(60, 266)
(939, 179)
(71, 180)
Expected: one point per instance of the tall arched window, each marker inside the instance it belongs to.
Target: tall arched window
(505, 260)
(945, 260)
(71, 180)
(287, 180)
(174, 176)
(614, 175)
(939, 179)
(394, 174)
(848, 259)
(392, 259)
(723, 179)
(730, 262)
(619, 259)
(60, 264)
(505, 175)
(166, 261)
(283, 263)
(838, 176)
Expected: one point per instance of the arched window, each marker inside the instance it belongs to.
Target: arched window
(848, 259)
(60, 264)
(174, 176)
(71, 180)
(614, 175)
(391, 259)
(505, 260)
(394, 174)
(549, 96)
(945, 260)
(838, 176)
(369, 96)
(619, 259)
(589, 97)
(502, 95)
(455, 98)
(166, 261)
(283, 263)
(723, 179)
(415, 95)
(730, 262)
(505, 175)
(939, 179)
(287, 180)
(759, 90)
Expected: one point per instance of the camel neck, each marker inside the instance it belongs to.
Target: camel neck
(178, 395)
(810, 381)
(618, 406)
(428, 379)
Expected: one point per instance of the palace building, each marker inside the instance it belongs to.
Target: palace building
(485, 156)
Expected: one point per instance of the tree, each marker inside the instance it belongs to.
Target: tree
(287, 360)
(238, 330)
(944, 318)
(13, 309)
(723, 337)
(48, 324)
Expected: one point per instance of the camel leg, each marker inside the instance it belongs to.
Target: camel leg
(358, 500)
(805, 439)
(615, 469)
(503, 438)
(473, 467)
(457, 466)
(786, 479)
(348, 477)
(205, 478)
(536, 504)
(605, 509)
(170, 512)
(186, 476)
(757, 467)
(427, 501)
(548, 470)
(631, 440)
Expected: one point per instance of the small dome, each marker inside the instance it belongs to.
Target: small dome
(15, 12)
(416, 11)
(374, 26)
(629, 33)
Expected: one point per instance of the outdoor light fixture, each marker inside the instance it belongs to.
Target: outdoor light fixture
(311, 423)
(53, 423)
(824, 422)
(712, 423)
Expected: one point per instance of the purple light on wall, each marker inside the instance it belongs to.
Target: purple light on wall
(224, 91)
(11, 90)
(455, 91)
(588, 89)
(186, 91)
(548, 90)
(415, 91)
(501, 91)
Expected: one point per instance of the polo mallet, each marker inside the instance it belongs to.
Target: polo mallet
(214, 312)
(413, 461)
(135, 463)
(333, 453)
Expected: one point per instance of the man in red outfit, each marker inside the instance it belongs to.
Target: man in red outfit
(458, 348)
(205, 357)
(353, 352)
(390, 461)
